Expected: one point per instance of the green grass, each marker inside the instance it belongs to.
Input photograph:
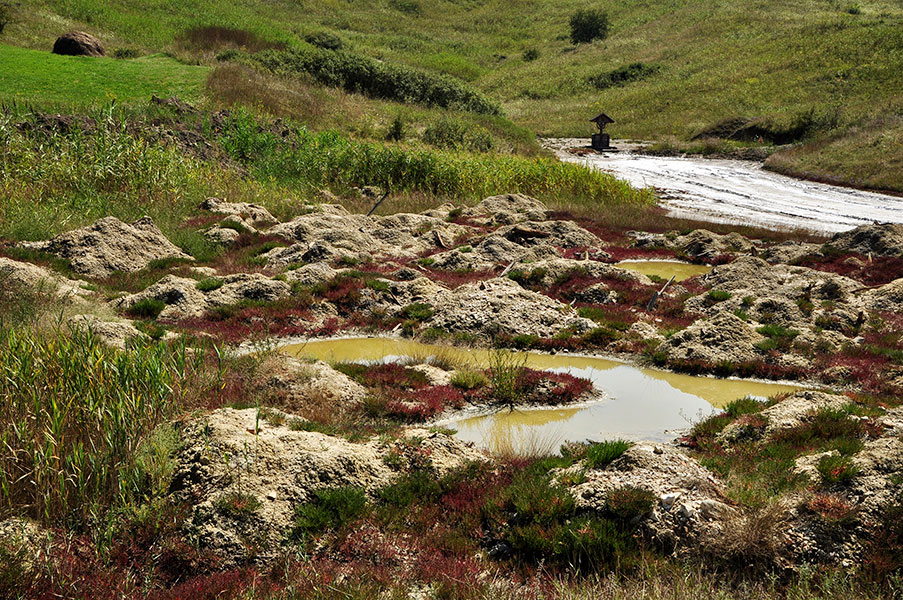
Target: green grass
(73, 419)
(41, 78)
(52, 182)
(773, 60)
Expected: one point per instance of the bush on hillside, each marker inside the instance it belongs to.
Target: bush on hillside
(588, 25)
(624, 75)
(411, 7)
(324, 39)
(359, 74)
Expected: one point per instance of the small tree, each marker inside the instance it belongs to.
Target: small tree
(588, 25)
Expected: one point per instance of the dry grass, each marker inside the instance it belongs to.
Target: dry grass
(753, 541)
(315, 106)
(208, 40)
(299, 98)
(869, 156)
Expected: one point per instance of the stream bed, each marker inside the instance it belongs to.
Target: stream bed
(635, 403)
(741, 192)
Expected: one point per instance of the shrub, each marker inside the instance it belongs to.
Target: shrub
(330, 508)
(227, 55)
(524, 341)
(884, 551)
(718, 295)
(623, 75)
(209, 284)
(396, 131)
(779, 337)
(4, 17)
(419, 311)
(531, 54)
(832, 508)
(417, 485)
(600, 336)
(600, 454)
(411, 7)
(218, 38)
(505, 370)
(743, 406)
(710, 427)
(237, 505)
(74, 417)
(837, 469)
(629, 502)
(454, 134)
(123, 53)
(592, 543)
(355, 73)
(324, 39)
(148, 308)
(467, 379)
(588, 25)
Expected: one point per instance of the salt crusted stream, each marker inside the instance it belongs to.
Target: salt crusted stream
(742, 192)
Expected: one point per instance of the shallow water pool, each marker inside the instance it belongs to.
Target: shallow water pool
(637, 403)
(665, 268)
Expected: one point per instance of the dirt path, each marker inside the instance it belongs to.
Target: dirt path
(731, 191)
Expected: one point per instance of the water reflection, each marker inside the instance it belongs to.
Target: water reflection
(635, 403)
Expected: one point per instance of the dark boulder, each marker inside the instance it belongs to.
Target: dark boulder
(78, 43)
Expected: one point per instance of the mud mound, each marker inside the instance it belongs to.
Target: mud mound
(762, 279)
(299, 382)
(508, 208)
(689, 501)
(552, 269)
(312, 274)
(718, 339)
(790, 252)
(110, 245)
(502, 306)
(32, 277)
(112, 333)
(888, 297)
(327, 234)
(410, 234)
(528, 241)
(703, 244)
(182, 298)
(272, 468)
(252, 214)
(877, 240)
(332, 233)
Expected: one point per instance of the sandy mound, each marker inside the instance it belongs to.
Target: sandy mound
(877, 240)
(721, 338)
(234, 454)
(183, 298)
(110, 245)
(502, 306)
(14, 273)
(689, 498)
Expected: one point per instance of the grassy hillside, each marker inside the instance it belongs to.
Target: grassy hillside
(75, 81)
(835, 66)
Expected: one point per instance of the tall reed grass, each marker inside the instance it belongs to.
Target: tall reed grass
(73, 415)
(51, 181)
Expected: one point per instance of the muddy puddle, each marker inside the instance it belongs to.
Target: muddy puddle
(665, 269)
(636, 403)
